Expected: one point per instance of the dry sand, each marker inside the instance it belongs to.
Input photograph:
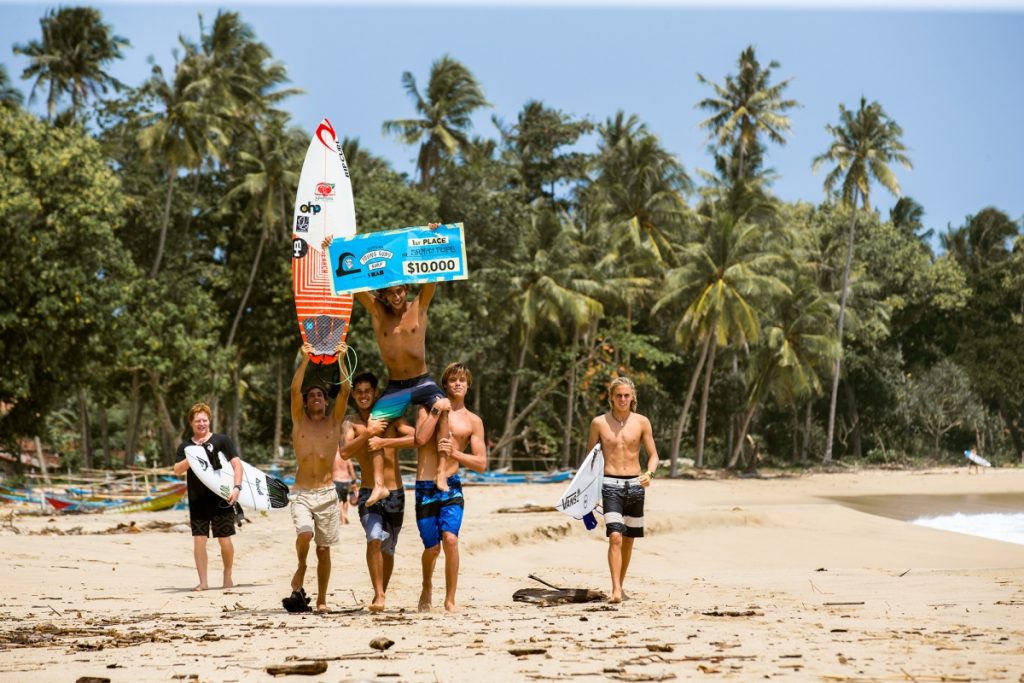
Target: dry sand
(736, 579)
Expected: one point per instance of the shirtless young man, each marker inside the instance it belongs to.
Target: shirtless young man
(344, 476)
(400, 326)
(622, 430)
(439, 512)
(315, 438)
(382, 521)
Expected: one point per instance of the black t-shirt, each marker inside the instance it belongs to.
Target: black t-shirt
(202, 502)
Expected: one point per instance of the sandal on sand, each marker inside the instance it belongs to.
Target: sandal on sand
(298, 601)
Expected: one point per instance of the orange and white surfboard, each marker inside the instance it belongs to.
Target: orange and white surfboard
(323, 206)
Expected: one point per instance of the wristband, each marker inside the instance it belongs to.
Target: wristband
(238, 486)
(650, 474)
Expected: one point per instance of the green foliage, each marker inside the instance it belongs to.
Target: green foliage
(64, 273)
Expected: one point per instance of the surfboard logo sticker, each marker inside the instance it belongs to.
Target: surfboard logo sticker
(324, 190)
(204, 464)
(326, 127)
(259, 487)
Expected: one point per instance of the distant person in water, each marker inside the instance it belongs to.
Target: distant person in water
(621, 432)
(209, 513)
(382, 521)
(316, 434)
(439, 511)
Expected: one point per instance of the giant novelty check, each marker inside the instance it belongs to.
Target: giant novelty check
(376, 260)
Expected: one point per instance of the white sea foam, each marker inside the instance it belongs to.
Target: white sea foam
(1007, 527)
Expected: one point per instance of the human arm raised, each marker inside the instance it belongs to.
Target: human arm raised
(298, 409)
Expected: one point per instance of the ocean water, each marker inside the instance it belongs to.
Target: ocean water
(996, 516)
(998, 526)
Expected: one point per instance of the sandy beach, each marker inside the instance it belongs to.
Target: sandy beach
(737, 579)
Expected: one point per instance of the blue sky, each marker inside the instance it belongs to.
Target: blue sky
(949, 75)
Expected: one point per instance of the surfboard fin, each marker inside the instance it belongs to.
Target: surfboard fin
(277, 491)
(589, 520)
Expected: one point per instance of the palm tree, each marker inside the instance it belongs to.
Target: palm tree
(982, 242)
(746, 106)
(865, 143)
(70, 59)
(550, 288)
(720, 276)
(797, 347)
(638, 191)
(9, 95)
(445, 112)
(183, 134)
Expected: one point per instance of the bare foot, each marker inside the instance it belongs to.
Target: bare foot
(615, 599)
(200, 587)
(377, 605)
(379, 493)
(424, 605)
(449, 606)
(322, 607)
(228, 583)
(441, 480)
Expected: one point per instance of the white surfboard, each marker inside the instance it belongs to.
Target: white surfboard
(977, 459)
(259, 492)
(323, 206)
(584, 491)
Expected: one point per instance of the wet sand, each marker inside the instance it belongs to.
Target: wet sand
(737, 579)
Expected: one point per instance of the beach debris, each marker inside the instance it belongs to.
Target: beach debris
(555, 595)
(312, 668)
(297, 602)
(841, 604)
(666, 676)
(524, 651)
(381, 643)
(92, 679)
(733, 613)
(660, 647)
(529, 507)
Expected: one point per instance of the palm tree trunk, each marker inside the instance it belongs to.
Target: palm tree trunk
(748, 416)
(236, 406)
(851, 408)
(702, 418)
(505, 456)
(134, 416)
(105, 435)
(571, 402)
(677, 436)
(42, 461)
(278, 408)
(167, 434)
(164, 221)
(806, 445)
(83, 418)
(837, 366)
(248, 289)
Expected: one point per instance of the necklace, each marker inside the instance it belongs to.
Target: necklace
(622, 423)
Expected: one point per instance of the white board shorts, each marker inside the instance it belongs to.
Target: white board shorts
(316, 511)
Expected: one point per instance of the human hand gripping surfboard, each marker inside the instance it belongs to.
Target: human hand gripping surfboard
(259, 492)
(581, 497)
(323, 208)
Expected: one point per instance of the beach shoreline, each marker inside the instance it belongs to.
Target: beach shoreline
(736, 578)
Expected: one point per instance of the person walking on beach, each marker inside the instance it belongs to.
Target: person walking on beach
(316, 434)
(622, 431)
(207, 511)
(382, 521)
(439, 511)
(344, 476)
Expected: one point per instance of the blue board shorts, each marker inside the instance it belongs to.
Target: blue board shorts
(400, 393)
(623, 506)
(383, 520)
(438, 511)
